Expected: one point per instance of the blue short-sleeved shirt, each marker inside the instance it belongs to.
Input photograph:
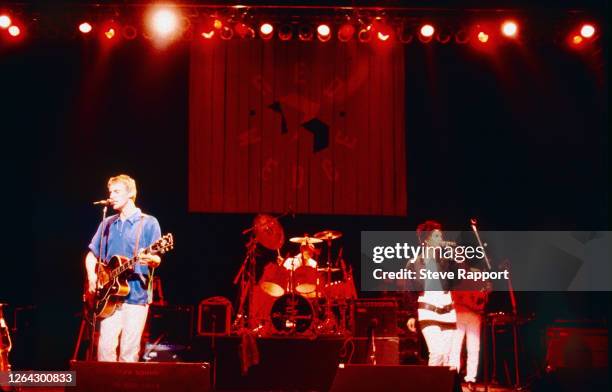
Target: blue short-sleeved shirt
(120, 239)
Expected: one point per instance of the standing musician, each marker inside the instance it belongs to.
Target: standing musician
(436, 313)
(124, 234)
(469, 305)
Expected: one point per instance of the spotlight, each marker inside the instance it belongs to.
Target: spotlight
(217, 23)
(110, 33)
(14, 31)
(5, 21)
(405, 35)
(164, 22)
(266, 30)
(285, 32)
(509, 29)
(323, 32)
(208, 34)
(577, 40)
(129, 32)
(426, 33)
(462, 37)
(427, 30)
(226, 33)
(244, 30)
(365, 33)
(85, 28)
(346, 32)
(483, 37)
(587, 31)
(305, 32)
(443, 36)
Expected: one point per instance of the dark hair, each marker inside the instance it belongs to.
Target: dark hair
(424, 230)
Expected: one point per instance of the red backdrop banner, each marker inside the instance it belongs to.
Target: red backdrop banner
(316, 127)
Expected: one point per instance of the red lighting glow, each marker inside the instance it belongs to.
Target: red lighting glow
(5, 21)
(346, 32)
(483, 37)
(14, 31)
(85, 28)
(427, 30)
(208, 34)
(587, 30)
(509, 29)
(577, 40)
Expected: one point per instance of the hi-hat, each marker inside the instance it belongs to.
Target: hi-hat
(268, 231)
(328, 235)
(305, 240)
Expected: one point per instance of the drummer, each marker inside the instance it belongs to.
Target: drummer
(307, 252)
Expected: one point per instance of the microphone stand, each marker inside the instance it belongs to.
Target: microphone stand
(90, 349)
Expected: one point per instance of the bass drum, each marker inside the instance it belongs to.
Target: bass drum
(292, 313)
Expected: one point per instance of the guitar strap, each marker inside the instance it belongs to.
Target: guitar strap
(149, 284)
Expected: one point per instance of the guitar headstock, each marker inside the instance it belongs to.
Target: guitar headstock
(163, 244)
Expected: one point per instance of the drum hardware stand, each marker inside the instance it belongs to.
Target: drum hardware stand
(5, 343)
(246, 277)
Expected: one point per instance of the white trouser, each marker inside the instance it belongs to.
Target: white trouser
(468, 323)
(438, 344)
(127, 324)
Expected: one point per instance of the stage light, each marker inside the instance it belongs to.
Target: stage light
(365, 33)
(14, 31)
(444, 36)
(305, 32)
(509, 29)
(266, 30)
(244, 31)
(226, 33)
(587, 31)
(164, 22)
(5, 21)
(129, 32)
(323, 32)
(577, 40)
(85, 28)
(483, 37)
(427, 31)
(217, 24)
(285, 32)
(405, 35)
(382, 36)
(346, 32)
(110, 33)
(208, 34)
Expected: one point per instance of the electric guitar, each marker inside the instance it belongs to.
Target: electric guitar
(112, 285)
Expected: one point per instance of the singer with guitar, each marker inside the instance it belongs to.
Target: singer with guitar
(123, 234)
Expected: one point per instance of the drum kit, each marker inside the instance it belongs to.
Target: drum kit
(294, 295)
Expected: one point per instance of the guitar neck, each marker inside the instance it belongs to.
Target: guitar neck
(124, 267)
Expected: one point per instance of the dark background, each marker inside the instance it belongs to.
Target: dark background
(518, 139)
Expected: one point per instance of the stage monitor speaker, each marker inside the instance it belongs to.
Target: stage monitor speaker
(376, 315)
(386, 351)
(151, 376)
(171, 324)
(380, 378)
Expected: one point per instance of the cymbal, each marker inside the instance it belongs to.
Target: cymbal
(327, 269)
(268, 231)
(305, 240)
(328, 235)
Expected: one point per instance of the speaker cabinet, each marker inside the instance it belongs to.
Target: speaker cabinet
(367, 378)
(151, 376)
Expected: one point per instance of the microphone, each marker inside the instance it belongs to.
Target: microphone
(473, 221)
(106, 202)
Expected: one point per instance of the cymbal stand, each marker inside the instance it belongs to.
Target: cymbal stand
(246, 278)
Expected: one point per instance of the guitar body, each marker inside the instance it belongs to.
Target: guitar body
(110, 291)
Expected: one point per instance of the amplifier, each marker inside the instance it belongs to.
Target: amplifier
(376, 314)
(575, 347)
(214, 316)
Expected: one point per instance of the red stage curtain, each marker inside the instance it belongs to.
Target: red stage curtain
(258, 116)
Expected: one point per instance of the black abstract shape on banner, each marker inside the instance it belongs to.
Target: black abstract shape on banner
(320, 131)
(278, 108)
